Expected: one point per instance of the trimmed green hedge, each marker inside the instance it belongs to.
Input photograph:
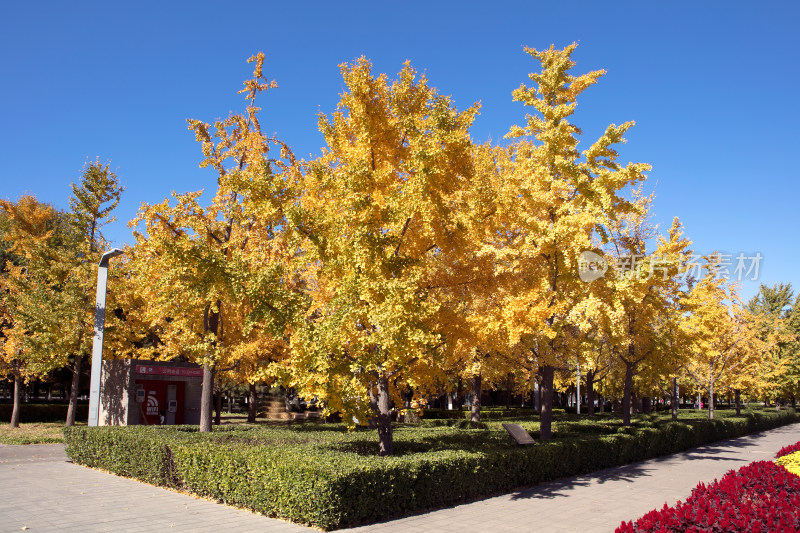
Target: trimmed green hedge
(486, 413)
(326, 477)
(43, 412)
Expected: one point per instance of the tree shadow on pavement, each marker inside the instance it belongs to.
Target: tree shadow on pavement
(560, 488)
(713, 452)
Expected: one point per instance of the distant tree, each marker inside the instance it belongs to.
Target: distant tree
(598, 362)
(719, 330)
(644, 286)
(675, 345)
(26, 230)
(56, 285)
(775, 316)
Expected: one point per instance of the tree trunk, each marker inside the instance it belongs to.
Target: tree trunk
(73, 393)
(230, 401)
(475, 414)
(647, 405)
(546, 407)
(252, 408)
(537, 393)
(385, 444)
(590, 392)
(510, 383)
(674, 399)
(626, 395)
(636, 404)
(211, 323)
(218, 408)
(602, 403)
(711, 401)
(737, 400)
(206, 398)
(17, 394)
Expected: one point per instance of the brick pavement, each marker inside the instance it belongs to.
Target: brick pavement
(43, 492)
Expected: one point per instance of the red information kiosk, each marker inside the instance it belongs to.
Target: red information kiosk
(150, 393)
(160, 398)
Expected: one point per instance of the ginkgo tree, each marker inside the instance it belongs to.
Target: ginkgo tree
(33, 237)
(597, 361)
(402, 261)
(378, 210)
(646, 285)
(463, 281)
(94, 198)
(674, 349)
(554, 202)
(58, 279)
(775, 321)
(216, 277)
(719, 328)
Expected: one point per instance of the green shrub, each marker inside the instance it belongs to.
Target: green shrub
(329, 478)
(141, 452)
(487, 413)
(444, 414)
(468, 424)
(516, 412)
(43, 412)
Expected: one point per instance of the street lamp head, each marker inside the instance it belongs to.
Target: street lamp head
(114, 252)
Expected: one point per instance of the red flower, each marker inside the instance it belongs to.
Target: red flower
(759, 497)
(786, 450)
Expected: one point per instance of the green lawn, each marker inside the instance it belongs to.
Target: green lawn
(33, 433)
(563, 425)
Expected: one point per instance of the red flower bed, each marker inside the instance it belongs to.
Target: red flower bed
(761, 496)
(786, 450)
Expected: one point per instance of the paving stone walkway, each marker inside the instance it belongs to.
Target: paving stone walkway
(44, 492)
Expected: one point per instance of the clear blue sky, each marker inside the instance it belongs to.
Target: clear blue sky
(712, 86)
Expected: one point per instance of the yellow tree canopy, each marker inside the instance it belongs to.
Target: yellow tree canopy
(213, 282)
(775, 321)
(640, 294)
(554, 200)
(35, 289)
(378, 211)
(719, 328)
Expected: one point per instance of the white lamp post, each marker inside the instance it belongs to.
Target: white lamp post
(99, 328)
